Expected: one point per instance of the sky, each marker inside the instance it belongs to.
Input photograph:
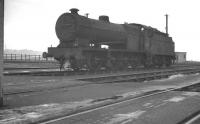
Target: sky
(30, 24)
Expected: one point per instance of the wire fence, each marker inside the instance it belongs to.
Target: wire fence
(26, 58)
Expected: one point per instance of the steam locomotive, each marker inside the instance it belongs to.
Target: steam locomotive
(99, 44)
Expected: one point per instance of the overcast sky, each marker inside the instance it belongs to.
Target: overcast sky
(30, 24)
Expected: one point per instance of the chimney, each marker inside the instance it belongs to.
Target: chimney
(74, 11)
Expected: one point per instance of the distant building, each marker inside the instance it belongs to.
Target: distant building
(180, 57)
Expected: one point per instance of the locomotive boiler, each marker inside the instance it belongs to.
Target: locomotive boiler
(96, 44)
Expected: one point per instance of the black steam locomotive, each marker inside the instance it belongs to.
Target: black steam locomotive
(97, 44)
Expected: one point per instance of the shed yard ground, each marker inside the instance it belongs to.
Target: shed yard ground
(74, 93)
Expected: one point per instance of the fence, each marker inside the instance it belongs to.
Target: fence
(26, 58)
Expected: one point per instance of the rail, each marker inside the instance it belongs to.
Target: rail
(26, 58)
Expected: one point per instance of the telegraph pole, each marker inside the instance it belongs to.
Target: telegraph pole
(1, 49)
(166, 24)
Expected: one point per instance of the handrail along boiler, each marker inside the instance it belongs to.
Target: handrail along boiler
(96, 44)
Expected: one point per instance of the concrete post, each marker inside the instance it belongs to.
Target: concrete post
(1, 49)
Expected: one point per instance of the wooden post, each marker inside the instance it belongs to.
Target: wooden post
(1, 49)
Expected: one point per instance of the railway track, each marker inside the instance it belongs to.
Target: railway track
(104, 102)
(140, 76)
(119, 100)
(113, 78)
(56, 72)
(50, 116)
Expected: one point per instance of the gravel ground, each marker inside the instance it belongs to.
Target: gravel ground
(35, 106)
(67, 94)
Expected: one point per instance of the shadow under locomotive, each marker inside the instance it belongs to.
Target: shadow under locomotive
(99, 44)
